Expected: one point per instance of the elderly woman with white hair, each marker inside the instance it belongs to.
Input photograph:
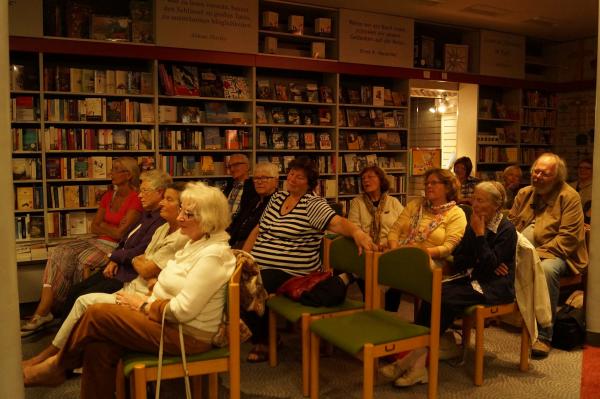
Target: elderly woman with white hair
(191, 291)
(485, 260)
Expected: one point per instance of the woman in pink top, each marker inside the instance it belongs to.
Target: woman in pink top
(70, 262)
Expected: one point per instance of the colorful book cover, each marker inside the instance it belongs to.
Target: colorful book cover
(278, 115)
(324, 141)
(235, 87)
(212, 138)
(232, 141)
(264, 89)
(216, 112)
(281, 92)
(185, 80)
(309, 141)
(24, 198)
(211, 85)
(293, 140)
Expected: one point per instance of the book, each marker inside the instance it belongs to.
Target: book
(324, 141)
(373, 142)
(278, 115)
(308, 139)
(146, 83)
(189, 114)
(281, 92)
(293, 117)
(17, 77)
(166, 81)
(376, 116)
(167, 113)
(399, 115)
(133, 82)
(353, 96)
(99, 169)
(366, 95)
(326, 94)
(146, 112)
(120, 81)
(216, 112)
(210, 85)
(307, 117)
(378, 96)
(354, 141)
(232, 141)
(93, 109)
(212, 138)
(277, 140)
(325, 116)
(293, 140)
(207, 164)
(389, 119)
(189, 165)
(364, 119)
(142, 31)
(398, 99)
(394, 141)
(387, 97)
(296, 91)
(264, 91)
(263, 141)
(71, 196)
(351, 163)
(22, 168)
(36, 229)
(235, 87)
(312, 93)
(185, 80)
(76, 223)
(119, 139)
(79, 168)
(146, 140)
(25, 198)
(109, 28)
(261, 116)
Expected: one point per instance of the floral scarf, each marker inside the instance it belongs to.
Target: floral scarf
(418, 235)
(376, 212)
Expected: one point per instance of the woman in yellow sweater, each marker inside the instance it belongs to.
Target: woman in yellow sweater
(434, 223)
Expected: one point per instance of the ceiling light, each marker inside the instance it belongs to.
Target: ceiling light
(432, 110)
(486, 10)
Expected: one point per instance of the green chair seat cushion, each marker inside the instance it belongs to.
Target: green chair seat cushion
(151, 360)
(293, 310)
(351, 332)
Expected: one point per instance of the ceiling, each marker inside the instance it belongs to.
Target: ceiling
(557, 20)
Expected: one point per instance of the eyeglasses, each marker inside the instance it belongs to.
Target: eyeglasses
(262, 179)
(187, 215)
(541, 173)
(433, 183)
(145, 191)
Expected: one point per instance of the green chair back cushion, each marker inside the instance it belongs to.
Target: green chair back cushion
(343, 256)
(407, 269)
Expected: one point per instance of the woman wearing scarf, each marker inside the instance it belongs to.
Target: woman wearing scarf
(375, 211)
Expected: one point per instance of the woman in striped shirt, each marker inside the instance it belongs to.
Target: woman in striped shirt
(287, 240)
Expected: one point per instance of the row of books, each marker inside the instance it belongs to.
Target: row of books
(61, 224)
(24, 109)
(378, 96)
(293, 116)
(29, 227)
(350, 185)
(502, 135)
(325, 163)
(28, 198)
(278, 139)
(189, 80)
(311, 92)
(214, 112)
(498, 154)
(539, 118)
(537, 99)
(26, 168)
(354, 163)
(361, 117)
(209, 138)
(373, 141)
(98, 81)
(95, 167)
(528, 155)
(497, 175)
(192, 165)
(78, 196)
(27, 252)
(60, 139)
(493, 109)
(536, 135)
(25, 139)
(95, 109)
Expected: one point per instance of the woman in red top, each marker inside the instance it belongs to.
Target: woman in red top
(70, 262)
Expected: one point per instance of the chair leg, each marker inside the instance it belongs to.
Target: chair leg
(524, 361)
(479, 328)
(434, 359)
(368, 370)
(213, 386)
(272, 338)
(138, 383)
(314, 366)
(305, 325)
(120, 381)
(196, 385)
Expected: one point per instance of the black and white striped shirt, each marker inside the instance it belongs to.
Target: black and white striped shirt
(292, 242)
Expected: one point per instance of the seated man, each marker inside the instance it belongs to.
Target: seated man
(549, 214)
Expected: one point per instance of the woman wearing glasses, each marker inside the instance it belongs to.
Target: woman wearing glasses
(191, 290)
(71, 262)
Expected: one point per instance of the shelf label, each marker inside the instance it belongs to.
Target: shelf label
(208, 24)
(502, 55)
(368, 38)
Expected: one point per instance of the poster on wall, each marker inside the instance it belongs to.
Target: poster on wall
(368, 38)
(208, 24)
(502, 54)
(25, 18)
(423, 159)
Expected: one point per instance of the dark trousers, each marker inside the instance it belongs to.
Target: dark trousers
(259, 325)
(457, 295)
(95, 283)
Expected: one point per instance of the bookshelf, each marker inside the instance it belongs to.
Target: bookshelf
(373, 125)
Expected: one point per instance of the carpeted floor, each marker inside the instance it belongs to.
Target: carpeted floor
(558, 377)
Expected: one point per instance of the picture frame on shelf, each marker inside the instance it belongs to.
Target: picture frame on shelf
(423, 159)
(456, 57)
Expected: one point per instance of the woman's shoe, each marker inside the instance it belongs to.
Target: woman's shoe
(35, 323)
(412, 377)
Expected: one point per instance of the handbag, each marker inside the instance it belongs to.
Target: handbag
(221, 337)
(296, 286)
(188, 390)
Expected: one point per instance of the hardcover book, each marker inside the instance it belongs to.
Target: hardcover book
(277, 140)
(212, 138)
(324, 141)
(189, 114)
(71, 195)
(281, 92)
(216, 112)
(185, 80)
(24, 198)
(312, 93)
(232, 140)
(263, 142)
(264, 90)
(235, 87)
(309, 141)
(278, 115)
(293, 117)
(261, 116)
(293, 141)
(378, 96)
(325, 116)
(296, 91)
(326, 94)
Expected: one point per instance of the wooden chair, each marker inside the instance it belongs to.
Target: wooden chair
(477, 315)
(142, 367)
(376, 333)
(340, 254)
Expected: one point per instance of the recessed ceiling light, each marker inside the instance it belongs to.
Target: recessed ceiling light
(486, 10)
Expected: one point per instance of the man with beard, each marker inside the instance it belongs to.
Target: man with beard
(549, 214)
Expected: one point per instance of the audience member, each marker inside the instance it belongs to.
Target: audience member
(265, 180)
(191, 291)
(583, 185)
(511, 179)
(462, 169)
(550, 216)
(239, 169)
(69, 263)
(287, 240)
(167, 240)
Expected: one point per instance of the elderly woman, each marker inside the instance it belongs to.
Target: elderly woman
(167, 240)
(265, 180)
(462, 169)
(287, 240)
(433, 223)
(374, 211)
(511, 177)
(69, 263)
(486, 259)
(191, 290)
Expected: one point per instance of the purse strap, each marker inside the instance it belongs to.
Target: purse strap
(186, 377)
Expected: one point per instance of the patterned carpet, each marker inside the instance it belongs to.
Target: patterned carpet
(558, 377)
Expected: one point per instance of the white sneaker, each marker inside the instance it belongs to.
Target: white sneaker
(394, 370)
(36, 322)
(412, 377)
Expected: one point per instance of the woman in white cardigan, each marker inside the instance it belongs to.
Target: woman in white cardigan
(190, 291)
(375, 211)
